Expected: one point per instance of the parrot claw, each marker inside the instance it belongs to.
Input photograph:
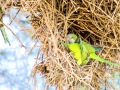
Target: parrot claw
(85, 62)
(79, 62)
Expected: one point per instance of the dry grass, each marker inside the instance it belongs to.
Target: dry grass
(98, 23)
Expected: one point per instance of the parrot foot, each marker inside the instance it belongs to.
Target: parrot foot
(85, 62)
(79, 62)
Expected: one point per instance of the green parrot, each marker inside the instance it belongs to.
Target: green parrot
(74, 39)
(82, 57)
(3, 29)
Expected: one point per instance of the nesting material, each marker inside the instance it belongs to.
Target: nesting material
(96, 21)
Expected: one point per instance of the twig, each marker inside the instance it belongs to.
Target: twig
(15, 81)
(14, 35)
(15, 16)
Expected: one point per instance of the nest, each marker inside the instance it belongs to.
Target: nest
(96, 21)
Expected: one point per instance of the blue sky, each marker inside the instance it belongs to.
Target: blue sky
(11, 62)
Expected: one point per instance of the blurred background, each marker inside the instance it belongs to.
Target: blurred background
(15, 64)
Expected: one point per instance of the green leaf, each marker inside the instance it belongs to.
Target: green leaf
(3, 29)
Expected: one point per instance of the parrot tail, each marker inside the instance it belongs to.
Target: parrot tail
(63, 43)
(94, 56)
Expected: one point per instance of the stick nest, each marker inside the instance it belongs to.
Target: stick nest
(96, 21)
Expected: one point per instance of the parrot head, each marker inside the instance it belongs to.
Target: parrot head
(71, 38)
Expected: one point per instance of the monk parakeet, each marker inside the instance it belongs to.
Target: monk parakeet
(3, 29)
(84, 55)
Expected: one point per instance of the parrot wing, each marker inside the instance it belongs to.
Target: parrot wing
(78, 40)
(81, 45)
(94, 56)
(84, 51)
(89, 48)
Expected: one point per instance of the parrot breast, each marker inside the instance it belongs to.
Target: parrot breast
(74, 47)
(76, 51)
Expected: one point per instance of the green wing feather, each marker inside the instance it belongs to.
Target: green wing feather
(78, 40)
(89, 48)
(81, 44)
